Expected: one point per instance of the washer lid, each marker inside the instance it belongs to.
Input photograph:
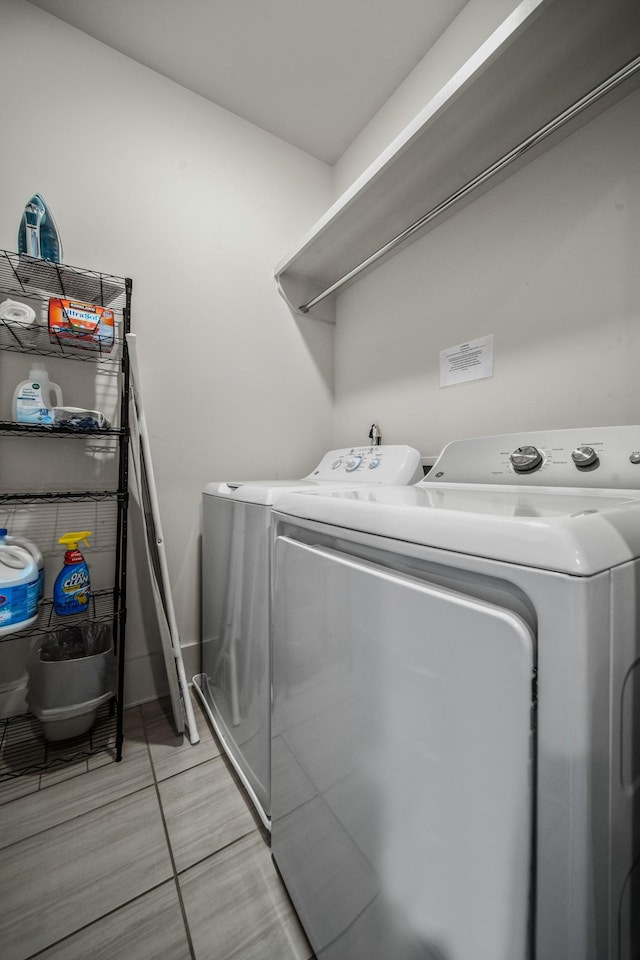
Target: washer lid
(580, 532)
(268, 492)
(338, 470)
(264, 492)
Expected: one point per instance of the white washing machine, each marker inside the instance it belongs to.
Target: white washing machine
(235, 680)
(456, 705)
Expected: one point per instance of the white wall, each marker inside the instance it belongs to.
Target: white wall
(148, 180)
(547, 262)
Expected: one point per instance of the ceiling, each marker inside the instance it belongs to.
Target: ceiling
(312, 72)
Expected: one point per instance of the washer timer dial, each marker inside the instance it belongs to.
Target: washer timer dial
(353, 464)
(525, 459)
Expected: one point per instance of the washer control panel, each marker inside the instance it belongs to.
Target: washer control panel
(384, 463)
(603, 457)
(525, 459)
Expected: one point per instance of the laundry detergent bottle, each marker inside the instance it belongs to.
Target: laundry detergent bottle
(37, 588)
(34, 398)
(72, 588)
(18, 578)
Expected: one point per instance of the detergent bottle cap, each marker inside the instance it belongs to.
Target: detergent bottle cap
(3, 531)
(37, 367)
(73, 539)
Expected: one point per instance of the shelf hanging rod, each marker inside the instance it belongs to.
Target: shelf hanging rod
(604, 88)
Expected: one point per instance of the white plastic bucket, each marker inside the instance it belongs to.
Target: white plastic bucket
(65, 695)
(71, 674)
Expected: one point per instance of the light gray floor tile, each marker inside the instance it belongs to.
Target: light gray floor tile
(22, 747)
(149, 928)
(99, 760)
(201, 715)
(237, 908)
(204, 810)
(63, 801)
(69, 868)
(33, 743)
(134, 736)
(64, 771)
(57, 882)
(172, 753)
(15, 787)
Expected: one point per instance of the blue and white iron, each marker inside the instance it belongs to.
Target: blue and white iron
(37, 234)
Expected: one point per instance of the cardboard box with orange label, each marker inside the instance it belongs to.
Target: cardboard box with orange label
(83, 325)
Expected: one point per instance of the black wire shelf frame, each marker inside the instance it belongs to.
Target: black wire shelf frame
(32, 279)
(104, 607)
(62, 496)
(11, 427)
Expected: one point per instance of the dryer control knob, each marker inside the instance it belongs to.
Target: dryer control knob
(525, 459)
(353, 464)
(634, 457)
(336, 464)
(374, 463)
(584, 457)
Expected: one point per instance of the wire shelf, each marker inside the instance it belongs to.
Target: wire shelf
(42, 279)
(102, 609)
(76, 496)
(34, 339)
(34, 279)
(25, 752)
(51, 430)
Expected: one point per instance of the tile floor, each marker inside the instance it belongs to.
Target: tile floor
(158, 857)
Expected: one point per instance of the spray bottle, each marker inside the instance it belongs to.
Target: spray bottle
(72, 588)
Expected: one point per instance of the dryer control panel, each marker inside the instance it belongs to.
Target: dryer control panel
(598, 457)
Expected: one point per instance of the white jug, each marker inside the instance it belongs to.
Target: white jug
(35, 398)
(35, 552)
(18, 589)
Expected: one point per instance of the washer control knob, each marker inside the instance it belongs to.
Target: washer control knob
(525, 459)
(374, 463)
(336, 464)
(584, 457)
(634, 457)
(353, 464)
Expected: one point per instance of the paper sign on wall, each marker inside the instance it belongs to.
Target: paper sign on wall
(467, 361)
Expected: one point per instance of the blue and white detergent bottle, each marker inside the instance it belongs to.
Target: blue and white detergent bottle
(72, 588)
(37, 588)
(35, 398)
(18, 589)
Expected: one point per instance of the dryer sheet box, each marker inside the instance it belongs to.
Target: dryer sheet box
(82, 325)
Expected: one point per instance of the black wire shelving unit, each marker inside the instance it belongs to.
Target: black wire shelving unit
(34, 281)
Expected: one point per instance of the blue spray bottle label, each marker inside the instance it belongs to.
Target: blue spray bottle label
(72, 588)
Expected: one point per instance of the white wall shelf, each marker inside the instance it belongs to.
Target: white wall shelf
(544, 58)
